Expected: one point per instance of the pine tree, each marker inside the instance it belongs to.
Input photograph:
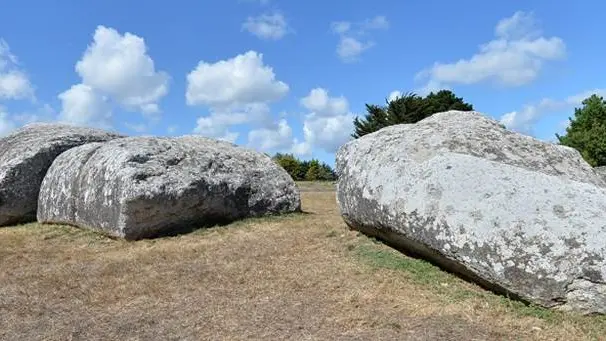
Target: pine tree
(587, 131)
(409, 108)
(314, 171)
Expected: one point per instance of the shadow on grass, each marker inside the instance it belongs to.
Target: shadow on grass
(49, 231)
(453, 289)
(200, 228)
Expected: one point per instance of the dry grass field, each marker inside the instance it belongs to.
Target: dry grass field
(295, 277)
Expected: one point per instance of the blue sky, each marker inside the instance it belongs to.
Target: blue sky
(289, 76)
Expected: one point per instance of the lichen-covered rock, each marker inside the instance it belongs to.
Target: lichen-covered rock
(601, 171)
(515, 214)
(25, 156)
(142, 187)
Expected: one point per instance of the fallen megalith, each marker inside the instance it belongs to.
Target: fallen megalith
(144, 187)
(25, 156)
(515, 214)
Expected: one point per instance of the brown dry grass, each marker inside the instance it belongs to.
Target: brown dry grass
(297, 277)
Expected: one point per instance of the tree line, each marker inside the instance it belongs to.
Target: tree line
(305, 170)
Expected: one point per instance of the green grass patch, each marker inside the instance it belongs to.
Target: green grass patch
(419, 271)
(452, 289)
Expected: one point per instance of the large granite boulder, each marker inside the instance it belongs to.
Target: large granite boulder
(515, 214)
(25, 156)
(143, 187)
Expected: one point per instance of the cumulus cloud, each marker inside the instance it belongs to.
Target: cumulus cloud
(514, 57)
(220, 121)
(274, 137)
(328, 125)
(115, 70)
(14, 82)
(525, 120)
(237, 81)
(14, 85)
(352, 36)
(328, 133)
(83, 105)
(322, 104)
(267, 26)
(236, 91)
(349, 48)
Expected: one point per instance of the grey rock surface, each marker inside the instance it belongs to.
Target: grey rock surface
(601, 171)
(512, 213)
(144, 187)
(25, 156)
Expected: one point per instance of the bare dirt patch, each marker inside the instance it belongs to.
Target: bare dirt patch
(296, 277)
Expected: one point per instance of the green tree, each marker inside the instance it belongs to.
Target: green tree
(314, 171)
(291, 164)
(311, 170)
(304, 167)
(408, 108)
(327, 173)
(587, 131)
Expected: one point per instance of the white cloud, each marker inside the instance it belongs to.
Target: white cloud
(524, 120)
(319, 102)
(515, 57)
(207, 126)
(340, 27)
(14, 82)
(15, 85)
(237, 91)
(327, 126)
(267, 26)
(301, 148)
(349, 49)
(115, 70)
(352, 41)
(267, 139)
(328, 133)
(6, 124)
(83, 105)
(240, 80)
(218, 123)
(250, 112)
(118, 66)
(519, 26)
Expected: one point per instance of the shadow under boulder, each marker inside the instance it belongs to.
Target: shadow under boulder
(26, 155)
(143, 187)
